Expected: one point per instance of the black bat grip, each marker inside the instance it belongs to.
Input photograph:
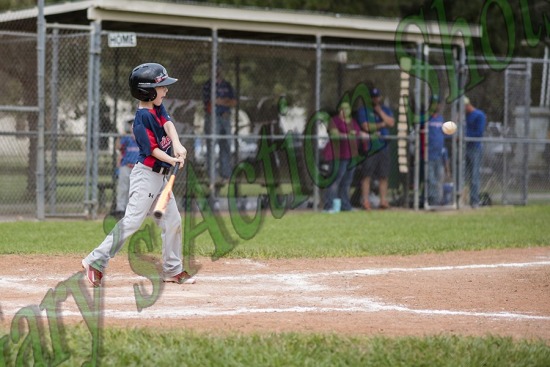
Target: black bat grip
(175, 168)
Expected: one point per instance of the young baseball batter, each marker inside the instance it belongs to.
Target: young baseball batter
(159, 149)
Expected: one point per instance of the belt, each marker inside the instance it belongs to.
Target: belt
(161, 170)
(157, 169)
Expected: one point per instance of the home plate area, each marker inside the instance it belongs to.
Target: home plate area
(499, 292)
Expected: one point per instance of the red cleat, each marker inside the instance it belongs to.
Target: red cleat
(94, 276)
(181, 278)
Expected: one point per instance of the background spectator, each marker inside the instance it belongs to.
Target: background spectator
(225, 100)
(129, 153)
(436, 144)
(378, 165)
(340, 151)
(475, 127)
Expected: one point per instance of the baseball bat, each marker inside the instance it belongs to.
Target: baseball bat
(166, 193)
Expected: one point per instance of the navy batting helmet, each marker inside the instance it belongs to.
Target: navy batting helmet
(145, 77)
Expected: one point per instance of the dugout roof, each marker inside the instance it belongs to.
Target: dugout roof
(186, 18)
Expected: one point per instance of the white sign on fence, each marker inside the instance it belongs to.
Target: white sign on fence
(122, 39)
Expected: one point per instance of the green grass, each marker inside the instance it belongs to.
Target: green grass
(146, 347)
(309, 234)
(399, 232)
(305, 234)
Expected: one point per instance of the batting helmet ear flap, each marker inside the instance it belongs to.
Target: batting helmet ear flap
(146, 94)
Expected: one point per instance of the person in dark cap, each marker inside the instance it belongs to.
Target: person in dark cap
(225, 101)
(378, 164)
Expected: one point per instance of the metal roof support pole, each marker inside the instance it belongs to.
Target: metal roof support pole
(426, 113)
(41, 67)
(544, 85)
(526, 131)
(89, 112)
(462, 78)
(504, 128)
(92, 127)
(546, 102)
(54, 85)
(416, 122)
(318, 56)
(96, 55)
(211, 142)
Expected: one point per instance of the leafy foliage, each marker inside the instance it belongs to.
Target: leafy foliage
(494, 18)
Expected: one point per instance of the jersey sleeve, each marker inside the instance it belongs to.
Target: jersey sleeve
(144, 137)
(163, 115)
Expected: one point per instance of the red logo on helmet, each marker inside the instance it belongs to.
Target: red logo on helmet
(160, 78)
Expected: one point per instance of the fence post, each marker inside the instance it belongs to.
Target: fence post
(416, 124)
(426, 113)
(461, 127)
(318, 56)
(526, 127)
(41, 60)
(211, 140)
(52, 172)
(96, 54)
(505, 125)
(92, 128)
(89, 112)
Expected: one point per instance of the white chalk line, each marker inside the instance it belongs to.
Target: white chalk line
(297, 280)
(378, 271)
(295, 276)
(174, 313)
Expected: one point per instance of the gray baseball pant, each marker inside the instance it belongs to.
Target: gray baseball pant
(145, 188)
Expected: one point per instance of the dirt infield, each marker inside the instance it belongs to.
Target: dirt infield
(499, 292)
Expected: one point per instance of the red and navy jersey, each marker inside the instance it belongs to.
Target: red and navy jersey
(149, 132)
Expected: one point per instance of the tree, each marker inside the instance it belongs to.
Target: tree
(499, 27)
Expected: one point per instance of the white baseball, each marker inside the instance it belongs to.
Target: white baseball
(449, 128)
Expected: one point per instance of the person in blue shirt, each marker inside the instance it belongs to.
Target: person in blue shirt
(129, 154)
(436, 141)
(475, 127)
(225, 100)
(447, 187)
(377, 165)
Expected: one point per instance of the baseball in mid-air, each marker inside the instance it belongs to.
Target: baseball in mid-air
(449, 127)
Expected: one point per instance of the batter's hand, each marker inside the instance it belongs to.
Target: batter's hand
(181, 153)
(179, 150)
(179, 160)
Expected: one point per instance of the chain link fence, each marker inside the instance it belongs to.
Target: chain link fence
(18, 122)
(514, 166)
(67, 145)
(279, 86)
